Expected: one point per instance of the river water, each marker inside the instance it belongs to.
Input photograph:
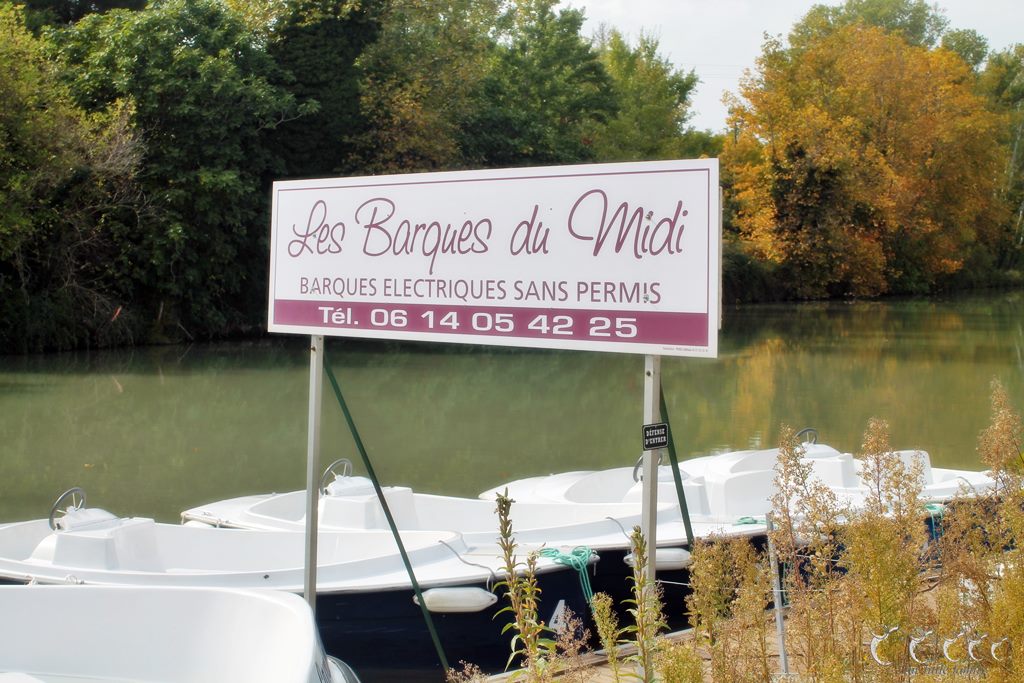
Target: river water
(152, 431)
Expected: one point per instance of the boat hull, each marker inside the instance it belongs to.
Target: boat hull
(383, 631)
(149, 634)
(386, 629)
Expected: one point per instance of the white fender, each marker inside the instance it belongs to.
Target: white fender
(667, 559)
(457, 599)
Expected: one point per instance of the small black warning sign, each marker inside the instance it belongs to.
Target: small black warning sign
(655, 436)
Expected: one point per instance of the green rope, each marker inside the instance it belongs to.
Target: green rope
(748, 520)
(578, 559)
(676, 477)
(387, 514)
(935, 511)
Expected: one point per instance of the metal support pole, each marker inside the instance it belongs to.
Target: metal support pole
(780, 626)
(649, 508)
(316, 384)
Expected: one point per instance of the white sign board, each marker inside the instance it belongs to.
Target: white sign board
(604, 257)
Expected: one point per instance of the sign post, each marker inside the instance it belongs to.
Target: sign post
(316, 385)
(649, 507)
(603, 257)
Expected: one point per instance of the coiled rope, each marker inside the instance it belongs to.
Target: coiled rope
(936, 511)
(579, 559)
(748, 520)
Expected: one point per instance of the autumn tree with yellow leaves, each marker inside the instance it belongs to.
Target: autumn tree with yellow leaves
(863, 164)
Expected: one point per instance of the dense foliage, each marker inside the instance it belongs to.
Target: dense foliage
(865, 160)
(878, 151)
(68, 189)
(866, 164)
(203, 99)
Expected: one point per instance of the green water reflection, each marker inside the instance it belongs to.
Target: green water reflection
(152, 431)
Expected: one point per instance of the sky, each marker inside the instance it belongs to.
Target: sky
(720, 38)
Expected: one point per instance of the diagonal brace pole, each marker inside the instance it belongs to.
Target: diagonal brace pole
(683, 509)
(387, 514)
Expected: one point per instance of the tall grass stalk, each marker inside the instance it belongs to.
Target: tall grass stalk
(1001, 447)
(731, 587)
(608, 630)
(648, 620)
(570, 644)
(885, 542)
(809, 519)
(523, 594)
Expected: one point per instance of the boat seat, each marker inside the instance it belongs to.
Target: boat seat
(693, 490)
(85, 518)
(126, 544)
(363, 510)
(837, 470)
(910, 457)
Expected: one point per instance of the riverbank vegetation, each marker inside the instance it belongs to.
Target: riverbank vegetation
(875, 150)
(892, 590)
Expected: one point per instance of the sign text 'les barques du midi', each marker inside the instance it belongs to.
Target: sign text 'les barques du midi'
(605, 257)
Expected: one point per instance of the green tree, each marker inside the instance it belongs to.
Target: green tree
(915, 21)
(316, 44)
(544, 90)
(67, 192)
(652, 98)
(968, 43)
(263, 17)
(1002, 81)
(696, 143)
(40, 13)
(203, 103)
(420, 79)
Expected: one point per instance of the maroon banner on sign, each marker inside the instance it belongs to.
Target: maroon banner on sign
(641, 327)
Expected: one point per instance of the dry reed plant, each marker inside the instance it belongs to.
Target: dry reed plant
(856, 574)
(1000, 447)
(608, 630)
(822, 620)
(731, 587)
(982, 579)
(885, 550)
(1001, 444)
(570, 644)
(970, 548)
(465, 673)
(648, 620)
(679, 662)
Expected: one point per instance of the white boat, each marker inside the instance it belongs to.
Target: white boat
(365, 601)
(729, 494)
(67, 634)
(726, 495)
(737, 485)
(350, 502)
